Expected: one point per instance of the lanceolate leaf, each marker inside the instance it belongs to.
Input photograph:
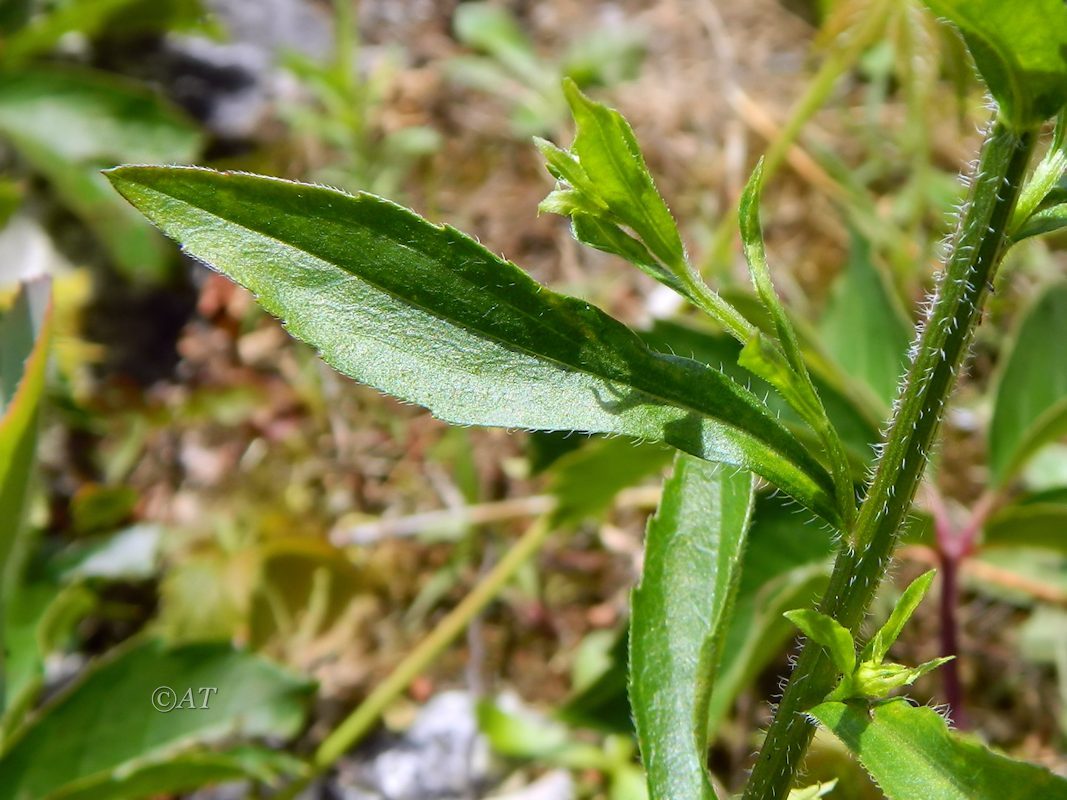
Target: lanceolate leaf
(1031, 400)
(1020, 48)
(911, 753)
(107, 722)
(427, 314)
(692, 562)
(878, 647)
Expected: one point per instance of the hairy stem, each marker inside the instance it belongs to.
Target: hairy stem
(939, 353)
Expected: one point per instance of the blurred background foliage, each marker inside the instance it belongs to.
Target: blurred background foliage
(208, 496)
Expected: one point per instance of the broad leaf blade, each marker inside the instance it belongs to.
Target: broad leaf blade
(692, 559)
(427, 314)
(912, 753)
(1021, 50)
(1031, 398)
(723, 352)
(107, 720)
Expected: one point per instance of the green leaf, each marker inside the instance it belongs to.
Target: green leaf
(1028, 524)
(38, 620)
(724, 353)
(785, 369)
(1047, 220)
(106, 722)
(786, 565)
(874, 680)
(587, 481)
(84, 16)
(829, 633)
(114, 119)
(608, 237)
(1036, 211)
(864, 328)
(25, 337)
(607, 150)
(188, 771)
(911, 753)
(1030, 407)
(427, 314)
(756, 256)
(1021, 51)
(680, 610)
(611, 191)
(879, 645)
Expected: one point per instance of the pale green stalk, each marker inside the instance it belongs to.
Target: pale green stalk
(359, 723)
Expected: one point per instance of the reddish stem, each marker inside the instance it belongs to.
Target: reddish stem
(954, 545)
(950, 645)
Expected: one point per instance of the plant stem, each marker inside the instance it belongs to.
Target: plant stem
(950, 644)
(939, 353)
(954, 544)
(364, 717)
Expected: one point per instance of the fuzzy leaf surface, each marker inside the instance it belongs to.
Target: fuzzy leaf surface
(692, 562)
(425, 313)
(911, 753)
(829, 633)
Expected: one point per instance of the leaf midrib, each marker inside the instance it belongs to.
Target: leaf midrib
(661, 400)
